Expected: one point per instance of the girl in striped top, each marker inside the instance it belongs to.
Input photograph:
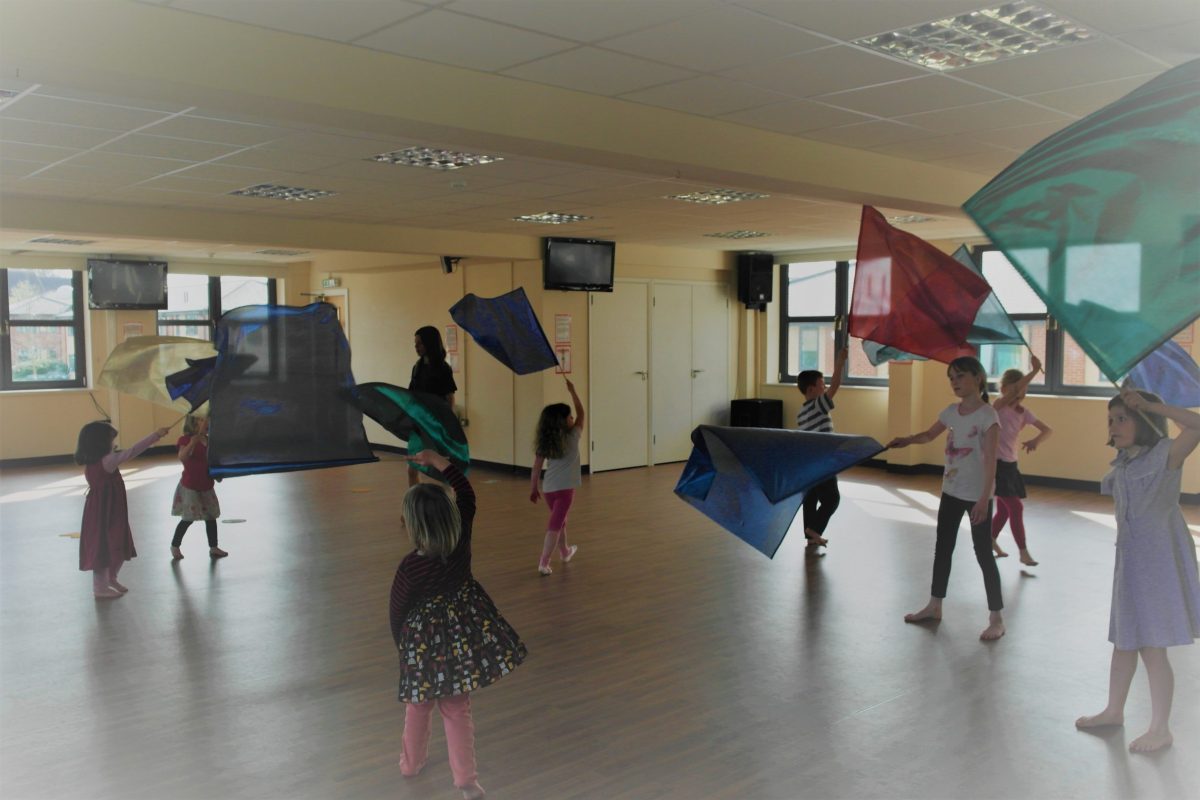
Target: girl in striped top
(450, 637)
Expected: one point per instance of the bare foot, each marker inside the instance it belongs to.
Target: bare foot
(814, 538)
(107, 593)
(1104, 719)
(472, 792)
(993, 631)
(112, 582)
(996, 549)
(1150, 741)
(217, 552)
(1027, 559)
(928, 612)
(176, 553)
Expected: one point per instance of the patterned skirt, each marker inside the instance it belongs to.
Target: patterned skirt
(455, 643)
(194, 505)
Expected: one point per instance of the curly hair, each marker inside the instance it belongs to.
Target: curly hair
(551, 438)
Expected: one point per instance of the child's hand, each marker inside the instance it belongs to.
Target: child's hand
(899, 441)
(1030, 446)
(161, 432)
(979, 511)
(1035, 364)
(534, 494)
(429, 458)
(842, 355)
(570, 386)
(1132, 399)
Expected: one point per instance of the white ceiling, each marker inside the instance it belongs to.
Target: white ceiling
(783, 66)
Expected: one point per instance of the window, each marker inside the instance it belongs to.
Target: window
(196, 302)
(1068, 370)
(42, 329)
(815, 297)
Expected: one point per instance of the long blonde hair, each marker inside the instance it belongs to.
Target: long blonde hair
(432, 519)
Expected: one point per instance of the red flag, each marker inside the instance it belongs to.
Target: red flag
(910, 295)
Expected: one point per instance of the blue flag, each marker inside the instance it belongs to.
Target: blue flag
(194, 383)
(506, 327)
(752, 481)
(1171, 374)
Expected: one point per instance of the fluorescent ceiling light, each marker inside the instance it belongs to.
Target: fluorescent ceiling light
(717, 197)
(551, 218)
(738, 235)
(57, 240)
(991, 34)
(271, 191)
(433, 158)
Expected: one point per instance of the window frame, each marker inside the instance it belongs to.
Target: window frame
(841, 307)
(76, 323)
(215, 311)
(1055, 351)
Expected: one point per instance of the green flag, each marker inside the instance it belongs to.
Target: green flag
(1103, 220)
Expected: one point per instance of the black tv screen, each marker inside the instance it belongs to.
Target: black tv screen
(114, 284)
(582, 265)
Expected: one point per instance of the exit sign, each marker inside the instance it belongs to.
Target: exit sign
(331, 283)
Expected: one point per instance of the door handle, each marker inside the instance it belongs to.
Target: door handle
(696, 372)
(641, 372)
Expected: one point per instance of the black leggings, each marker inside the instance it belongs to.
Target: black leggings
(210, 527)
(950, 514)
(829, 497)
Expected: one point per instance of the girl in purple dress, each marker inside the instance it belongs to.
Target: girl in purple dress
(1156, 584)
(105, 541)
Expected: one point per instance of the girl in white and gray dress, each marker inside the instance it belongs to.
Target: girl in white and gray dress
(557, 446)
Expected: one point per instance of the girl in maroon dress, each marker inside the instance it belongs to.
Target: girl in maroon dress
(105, 541)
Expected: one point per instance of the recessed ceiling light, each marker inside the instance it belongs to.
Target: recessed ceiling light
(273, 252)
(57, 240)
(716, 197)
(738, 234)
(910, 219)
(434, 158)
(991, 34)
(551, 218)
(271, 191)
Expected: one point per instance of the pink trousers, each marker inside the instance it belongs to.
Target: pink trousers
(460, 737)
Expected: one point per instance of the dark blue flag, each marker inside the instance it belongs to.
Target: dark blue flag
(194, 384)
(507, 328)
(1171, 374)
(752, 481)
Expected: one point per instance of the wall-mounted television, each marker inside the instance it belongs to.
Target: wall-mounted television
(581, 265)
(123, 284)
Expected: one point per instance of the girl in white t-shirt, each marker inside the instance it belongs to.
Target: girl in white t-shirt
(967, 486)
(557, 445)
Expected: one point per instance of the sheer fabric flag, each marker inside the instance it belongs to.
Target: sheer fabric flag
(194, 383)
(752, 481)
(506, 327)
(1103, 220)
(911, 296)
(1171, 373)
(424, 421)
(279, 393)
(992, 323)
(139, 366)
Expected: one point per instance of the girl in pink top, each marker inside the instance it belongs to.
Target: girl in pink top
(105, 541)
(1010, 486)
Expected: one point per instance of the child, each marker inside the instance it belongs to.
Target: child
(814, 416)
(105, 540)
(450, 637)
(431, 374)
(1156, 584)
(194, 497)
(966, 487)
(557, 446)
(1010, 487)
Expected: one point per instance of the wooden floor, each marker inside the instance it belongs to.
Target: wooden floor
(669, 660)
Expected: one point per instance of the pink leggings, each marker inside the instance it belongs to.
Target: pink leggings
(460, 737)
(1010, 510)
(560, 505)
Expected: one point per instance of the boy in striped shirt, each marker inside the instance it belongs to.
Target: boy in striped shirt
(822, 500)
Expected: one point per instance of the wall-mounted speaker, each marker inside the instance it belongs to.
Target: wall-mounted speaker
(754, 279)
(449, 262)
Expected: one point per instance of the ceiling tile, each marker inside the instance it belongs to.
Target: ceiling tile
(40, 153)
(582, 20)
(134, 165)
(706, 96)
(999, 114)
(589, 69)
(75, 112)
(19, 130)
(941, 147)
(853, 19)
(270, 158)
(11, 168)
(870, 134)
(912, 96)
(341, 21)
(717, 40)
(140, 144)
(989, 164)
(1175, 44)
(449, 38)
(1019, 139)
(1083, 100)
(219, 131)
(830, 69)
(1117, 17)
(1061, 68)
(794, 116)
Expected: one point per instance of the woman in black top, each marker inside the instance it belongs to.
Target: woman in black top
(431, 374)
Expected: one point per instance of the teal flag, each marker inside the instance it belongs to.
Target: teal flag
(1103, 220)
(992, 323)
